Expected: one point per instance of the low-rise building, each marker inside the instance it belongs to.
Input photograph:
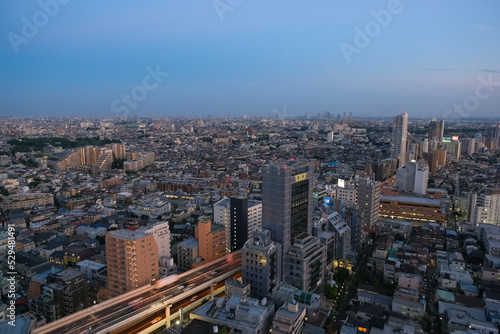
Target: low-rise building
(244, 315)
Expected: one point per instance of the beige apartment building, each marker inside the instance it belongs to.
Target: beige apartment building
(26, 200)
(132, 260)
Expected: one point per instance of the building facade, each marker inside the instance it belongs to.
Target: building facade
(287, 201)
(261, 263)
(399, 135)
(132, 260)
(304, 263)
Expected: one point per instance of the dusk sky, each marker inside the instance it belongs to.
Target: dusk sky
(231, 57)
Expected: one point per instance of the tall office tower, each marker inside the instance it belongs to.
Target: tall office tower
(436, 130)
(368, 201)
(261, 263)
(413, 177)
(399, 134)
(132, 260)
(240, 217)
(287, 200)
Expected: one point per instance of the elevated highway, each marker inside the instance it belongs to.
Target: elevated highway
(167, 296)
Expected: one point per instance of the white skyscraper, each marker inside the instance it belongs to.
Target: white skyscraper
(399, 134)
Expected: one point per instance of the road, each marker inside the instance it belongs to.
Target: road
(131, 303)
(155, 317)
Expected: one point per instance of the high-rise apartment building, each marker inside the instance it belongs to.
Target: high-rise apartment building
(132, 260)
(486, 207)
(211, 239)
(436, 130)
(261, 263)
(287, 200)
(399, 134)
(119, 151)
(432, 161)
(413, 177)
(368, 201)
(161, 233)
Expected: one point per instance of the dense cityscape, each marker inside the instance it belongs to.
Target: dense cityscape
(325, 223)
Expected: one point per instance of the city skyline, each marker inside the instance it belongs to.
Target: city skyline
(65, 58)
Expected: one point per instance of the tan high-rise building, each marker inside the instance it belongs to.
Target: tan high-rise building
(211, 239)
(132, 260)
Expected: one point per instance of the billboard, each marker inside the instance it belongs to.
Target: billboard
(341, 183)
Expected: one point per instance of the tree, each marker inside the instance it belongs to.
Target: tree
(399, 237)
(117, 163)
(144, 217)
(366, 277)
(4, 191)
(329, 292)
(101, 239)
(342, 275)
(33, 184)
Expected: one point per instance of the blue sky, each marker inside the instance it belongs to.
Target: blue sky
(82, 60)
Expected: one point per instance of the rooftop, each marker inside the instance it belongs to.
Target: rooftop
(408, 199)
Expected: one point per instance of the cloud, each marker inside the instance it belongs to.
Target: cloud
(440, 69)
(489, 71)
(483, 27)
